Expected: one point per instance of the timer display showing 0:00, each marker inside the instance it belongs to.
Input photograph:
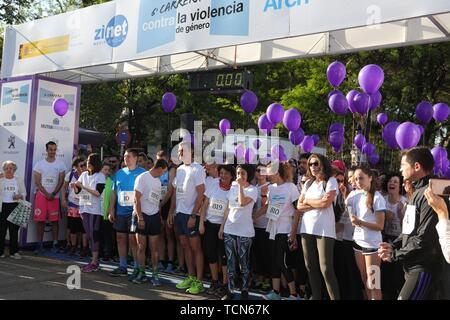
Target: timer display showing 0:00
(229, 80)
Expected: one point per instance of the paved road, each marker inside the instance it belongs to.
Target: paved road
(45, 277)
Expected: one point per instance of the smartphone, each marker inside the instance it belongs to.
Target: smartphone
(440, 187)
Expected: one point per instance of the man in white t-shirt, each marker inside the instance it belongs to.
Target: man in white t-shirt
(48, 178)
(189, 184)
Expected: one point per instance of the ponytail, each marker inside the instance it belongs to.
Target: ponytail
(371, 194)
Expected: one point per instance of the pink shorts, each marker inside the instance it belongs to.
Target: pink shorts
(45, 209)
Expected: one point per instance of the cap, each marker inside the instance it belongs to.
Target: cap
(340, 165)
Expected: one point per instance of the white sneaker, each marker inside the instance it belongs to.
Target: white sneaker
(16, 256)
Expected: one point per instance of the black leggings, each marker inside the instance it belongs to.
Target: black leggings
(7, 208)
(417, 286)
(280, 251)
(261, 256)
(214, 247)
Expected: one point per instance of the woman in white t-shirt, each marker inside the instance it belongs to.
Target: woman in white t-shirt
(212, 215)
(12, 189)
(261, 257)
(89, 187)
(282, 227)
(392, 278)
(366, 207)
(318, 226)
(237, 229)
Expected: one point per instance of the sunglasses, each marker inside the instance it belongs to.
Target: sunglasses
(315, 164)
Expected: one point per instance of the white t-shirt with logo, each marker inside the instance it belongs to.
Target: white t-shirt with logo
(50, 173)
(365, 237)
(186, 180)
(281, 197)
(394, 227)
(240, 221)
(319, 222)
(10, 188)
(218, 202)
(150, 189)
(73, 197)
(262, 221)
(88, 202)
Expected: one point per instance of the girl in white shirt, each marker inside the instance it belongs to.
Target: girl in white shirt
(366, 208)
(237, 229)
(318, 226)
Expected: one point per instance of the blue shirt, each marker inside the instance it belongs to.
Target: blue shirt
(164, 179)
(124, 186)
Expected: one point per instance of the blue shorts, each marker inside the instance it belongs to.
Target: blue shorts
(122, 224)
(152, 225)
(364, 251)
(181, 225)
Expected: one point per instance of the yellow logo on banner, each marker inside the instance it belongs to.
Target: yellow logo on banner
(43, 47)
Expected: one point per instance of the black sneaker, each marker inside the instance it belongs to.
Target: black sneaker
(244, 295)
(228, 296)
(213, 288)
(119, 272)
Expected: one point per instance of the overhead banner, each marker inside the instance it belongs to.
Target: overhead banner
(129, 30)
(15, 102)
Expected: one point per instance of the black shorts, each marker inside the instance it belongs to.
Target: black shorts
(152, 225)
(122, 224)
(165, 210)
(181, 222)
(75, 225)
(364, 251)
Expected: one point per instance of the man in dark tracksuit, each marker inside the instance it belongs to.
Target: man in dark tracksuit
(418, 246)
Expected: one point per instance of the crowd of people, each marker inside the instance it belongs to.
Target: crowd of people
(302, 229)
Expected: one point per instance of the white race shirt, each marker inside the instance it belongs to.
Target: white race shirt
(50, 173)
(262, 221)
(150, 189)
(319, 222)
(280, 198)
(186, 180)
(393, 227)
(365, 237)
(240, 221)
(218, 202)
(10, 188)
(211, 182)
(88, 202)
(73, 197)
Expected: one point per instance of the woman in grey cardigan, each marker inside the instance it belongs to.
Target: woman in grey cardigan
(12, 189)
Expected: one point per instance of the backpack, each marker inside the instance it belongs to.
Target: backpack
(338, 203)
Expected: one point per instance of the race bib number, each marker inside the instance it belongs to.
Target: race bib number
(276, 204)
(217, 207)
(49, 183)
(180, 192)
(10, 189)
(154, 197)
(163, 192)
(409, 220)
(126, 198)
(358, 233)
(85, 198)
(393, 227)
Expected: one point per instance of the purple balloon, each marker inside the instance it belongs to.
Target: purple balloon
(60, 106)
(368, 148)
(388, 134)
(333, 92)
(264, 123)
(375, 100)
(338, 104)
(275, 113)
(296, 137)
(316, 139)
(276, 150)
(424, 112)
(407, 135)
(382, 118)
(224, 125)
(351, 104)
(359, 141)
(257, 144)
(307, 144)
(441, 112)
(239, 152)
(440, 157)
(292, 119)
(336, 73)
(374, 158)
(339, 127)
(249, 155)
(361, 103)
(371, 78)
(249, 101)
(336, 140)
(169, 101)
(421, 128)
(282, 157)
